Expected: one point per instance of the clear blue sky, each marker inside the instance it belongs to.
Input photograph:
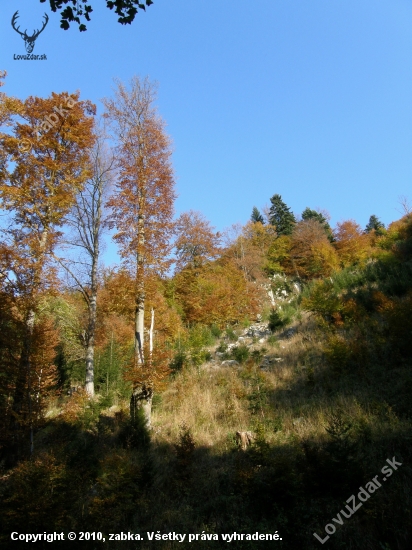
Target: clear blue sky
(311, 99)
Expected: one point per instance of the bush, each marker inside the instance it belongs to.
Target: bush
(179, 361)
(276, 321)
(222, 347)
(215, 331)
(231, 334)
(240, 353)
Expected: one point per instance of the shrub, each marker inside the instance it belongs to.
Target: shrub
(231, 335)
(222, 347)
(215, 331)
(240, 353)
(179, 361)
(276, 321)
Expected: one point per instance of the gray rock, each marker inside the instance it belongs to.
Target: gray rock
(230, 363)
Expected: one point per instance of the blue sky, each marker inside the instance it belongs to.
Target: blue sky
(311, 99)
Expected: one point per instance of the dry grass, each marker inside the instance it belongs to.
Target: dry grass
(208, 402)
(214, 402)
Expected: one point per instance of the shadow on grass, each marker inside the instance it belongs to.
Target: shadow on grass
(109, 478)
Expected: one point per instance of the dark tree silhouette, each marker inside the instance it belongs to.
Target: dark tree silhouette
(281, 216)
(79, 9)
(376, 225)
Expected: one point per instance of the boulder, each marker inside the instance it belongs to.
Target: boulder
(230, 363)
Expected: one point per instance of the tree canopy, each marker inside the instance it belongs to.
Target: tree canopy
(79, 9)
(376, 225)
(256, 216)
(281, 216)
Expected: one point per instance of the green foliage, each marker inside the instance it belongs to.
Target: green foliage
(258, 393)
(273, 341)
(256, 216)
(186, 444)
(376, 225)
(281, 216)
(180, 359)
(134, 434)
(257, 356)
(231, 334)
(222, 347)
(215, 331)
(278, 320)
(109, 366)
(191, 346)
(240, 353)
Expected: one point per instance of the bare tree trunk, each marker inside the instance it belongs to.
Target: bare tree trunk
(142, 394)
(87, 221)
(151, 334)
(89, 386)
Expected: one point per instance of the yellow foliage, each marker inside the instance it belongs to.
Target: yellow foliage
(352, 244)
(215, 294)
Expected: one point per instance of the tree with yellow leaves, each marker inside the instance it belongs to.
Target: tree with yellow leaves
(47, 152)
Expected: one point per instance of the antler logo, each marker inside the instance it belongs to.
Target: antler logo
(29, 41)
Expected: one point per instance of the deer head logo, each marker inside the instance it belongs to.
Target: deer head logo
(28, 40)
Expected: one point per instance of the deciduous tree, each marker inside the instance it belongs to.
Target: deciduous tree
(322, 218)
(312, 255)
(77, 9)
(142, 205)
(86, 221)
(250, 247)
(37, 192)
(196, 240)
(352, 244)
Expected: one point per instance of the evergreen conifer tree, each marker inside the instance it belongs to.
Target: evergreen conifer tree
(375, 224)
(256, 216)
(281, 216)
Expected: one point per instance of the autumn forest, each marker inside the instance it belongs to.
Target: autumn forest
(248, 380)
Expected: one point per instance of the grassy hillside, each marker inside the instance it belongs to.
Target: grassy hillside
(326, 396)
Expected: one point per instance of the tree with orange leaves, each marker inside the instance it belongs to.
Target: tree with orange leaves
(196, 241)
(142, 206)
(352, 244)
(249, 248)
(48, 148)
(312, 254)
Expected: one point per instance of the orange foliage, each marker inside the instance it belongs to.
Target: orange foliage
(312, 255)
(196, 241)
(249, 250)
(217, 293)
(142, 202)
(352, 244)
(116, 298)
(154, 370)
